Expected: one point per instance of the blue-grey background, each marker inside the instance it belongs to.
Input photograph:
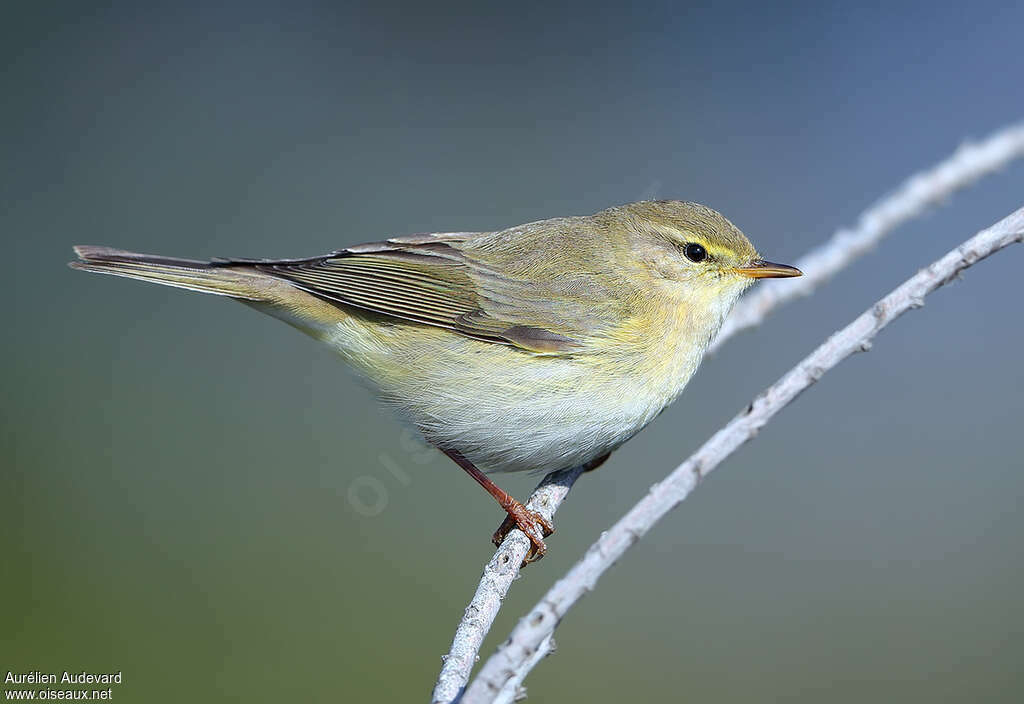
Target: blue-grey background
(187, 485)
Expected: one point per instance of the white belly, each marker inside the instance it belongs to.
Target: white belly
(552, 427)
(503, 414)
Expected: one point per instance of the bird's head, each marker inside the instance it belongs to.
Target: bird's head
(693, 249)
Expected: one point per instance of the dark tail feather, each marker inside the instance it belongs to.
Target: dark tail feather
(237, 282)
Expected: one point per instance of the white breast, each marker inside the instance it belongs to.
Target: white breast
(550, 413)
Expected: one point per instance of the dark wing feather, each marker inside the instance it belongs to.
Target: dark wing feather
(426, 279)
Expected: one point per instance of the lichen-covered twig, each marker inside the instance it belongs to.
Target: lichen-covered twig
(969, 163)
(494, 583)
(502, 674)
(921, 191)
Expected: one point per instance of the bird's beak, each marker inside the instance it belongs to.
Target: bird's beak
(760, 269)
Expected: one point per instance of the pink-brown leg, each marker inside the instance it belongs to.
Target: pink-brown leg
(509, 523)
(534, 525)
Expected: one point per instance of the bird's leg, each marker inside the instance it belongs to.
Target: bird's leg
(509, 523)
(594, 464)
(534, 525)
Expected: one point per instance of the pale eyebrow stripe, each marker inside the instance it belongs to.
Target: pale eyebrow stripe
(681, 239)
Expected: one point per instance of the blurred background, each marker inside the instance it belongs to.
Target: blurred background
(207, 501)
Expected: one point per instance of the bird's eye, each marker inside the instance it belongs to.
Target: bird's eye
(695, 253)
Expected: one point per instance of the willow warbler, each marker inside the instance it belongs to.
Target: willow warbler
(539, 347)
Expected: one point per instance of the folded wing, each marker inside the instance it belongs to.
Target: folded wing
(433, 280)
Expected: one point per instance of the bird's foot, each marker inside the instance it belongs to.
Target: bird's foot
(534, 525)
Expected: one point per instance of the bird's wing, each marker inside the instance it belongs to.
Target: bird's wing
(438, 280)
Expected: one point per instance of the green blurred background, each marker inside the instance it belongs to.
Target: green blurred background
(207, 501)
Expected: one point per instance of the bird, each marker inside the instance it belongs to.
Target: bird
(542, 346)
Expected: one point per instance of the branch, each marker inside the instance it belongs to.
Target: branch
(498, 576)
(507, 668)
(922, 190)
(967, 164)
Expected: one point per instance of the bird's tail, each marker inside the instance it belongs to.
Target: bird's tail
(237, 282)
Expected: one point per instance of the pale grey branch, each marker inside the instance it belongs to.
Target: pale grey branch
(525, 646)
(969, 163)
(921, 191)
(498, 576)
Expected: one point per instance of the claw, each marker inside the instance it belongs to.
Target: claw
(533, 525)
